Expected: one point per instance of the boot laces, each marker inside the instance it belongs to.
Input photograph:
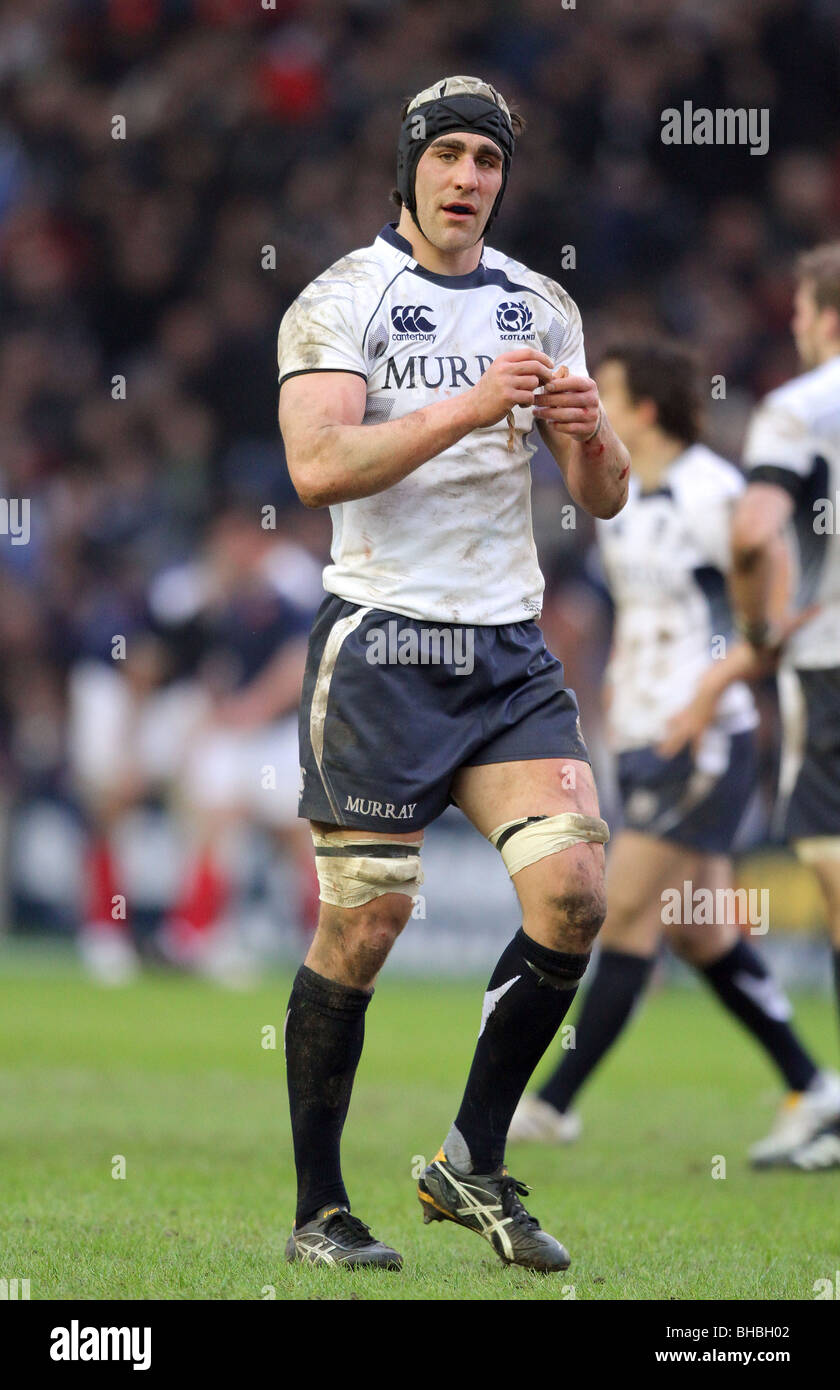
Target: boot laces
(350, 1226)
(510, 1191)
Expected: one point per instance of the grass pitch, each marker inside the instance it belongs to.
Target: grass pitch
(172, 1077)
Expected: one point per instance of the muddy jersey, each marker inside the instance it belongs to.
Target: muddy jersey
(453, 541)
(665, 557)
(794, 442)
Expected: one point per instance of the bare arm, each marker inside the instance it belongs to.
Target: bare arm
(333, 457)
(274, 691)
(595, 469)
(760, 559)
(744, 662)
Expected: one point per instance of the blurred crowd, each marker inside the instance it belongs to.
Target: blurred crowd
(172, 172)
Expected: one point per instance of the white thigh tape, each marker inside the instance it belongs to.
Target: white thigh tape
(353, 871)
(524, 841)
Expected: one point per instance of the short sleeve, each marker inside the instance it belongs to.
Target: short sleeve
(710, 510)
(561, 338)
(318, 333)
(572, 353)
(778, 439)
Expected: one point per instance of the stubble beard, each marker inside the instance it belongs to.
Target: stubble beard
(449, 248)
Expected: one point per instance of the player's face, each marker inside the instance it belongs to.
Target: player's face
(458, 179)
(806, 325)
(615, 398)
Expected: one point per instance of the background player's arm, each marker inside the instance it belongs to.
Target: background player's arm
(744, 662)
(758, 553)
(274, 692)
(332, 457)
(596, 471)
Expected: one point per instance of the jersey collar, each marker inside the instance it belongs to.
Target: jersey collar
(663, 490)
(475, 277)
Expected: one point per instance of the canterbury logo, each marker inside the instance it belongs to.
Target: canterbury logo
(514, 317)
(413, 319)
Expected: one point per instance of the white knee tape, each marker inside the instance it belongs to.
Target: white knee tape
(353, 871)
(811, 851)
(524, 841)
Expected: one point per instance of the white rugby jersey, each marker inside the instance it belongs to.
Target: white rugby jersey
(794, 441)
(453, 540)
(666, 556)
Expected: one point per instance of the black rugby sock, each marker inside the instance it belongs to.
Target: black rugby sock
(745, 986)
(528, 997)
(617, 986)
(325, 1029)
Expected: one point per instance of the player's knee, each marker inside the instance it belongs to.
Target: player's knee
(381, 924)
(687, 946)
(370, 955)
(697, 945)
(361, 940)
(576, 915)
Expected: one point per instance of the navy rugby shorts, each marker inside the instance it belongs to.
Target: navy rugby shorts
(814, 807)
(673, 799)
(392, 707)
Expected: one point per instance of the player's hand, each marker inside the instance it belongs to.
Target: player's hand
(767, 656)
(744, 663)
(688, 725)
(510, 380)
(570, 404)
(754, 663)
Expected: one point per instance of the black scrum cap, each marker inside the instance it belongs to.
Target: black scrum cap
(456, 103)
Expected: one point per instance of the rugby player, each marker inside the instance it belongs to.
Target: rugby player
(412, 374)
(792, 500)
(666, 558)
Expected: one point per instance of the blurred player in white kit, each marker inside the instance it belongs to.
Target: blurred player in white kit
(792, 507)
(666, 559)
